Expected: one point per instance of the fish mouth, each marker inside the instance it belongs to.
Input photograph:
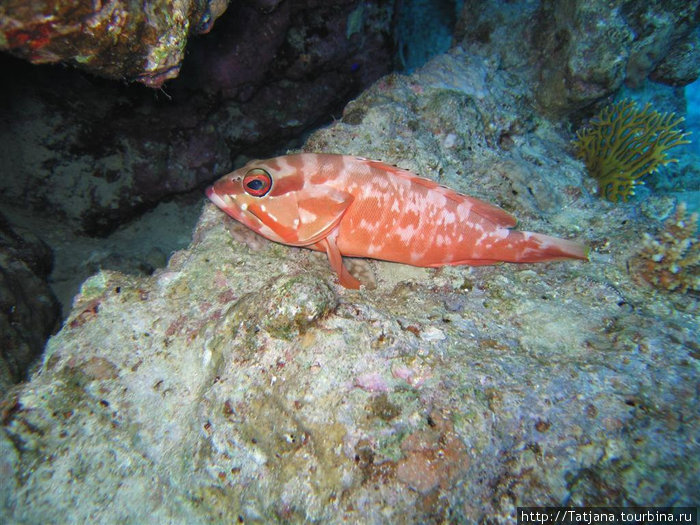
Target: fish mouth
(216, 198)
(229, 206)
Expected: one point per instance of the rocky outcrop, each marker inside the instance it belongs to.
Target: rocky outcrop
(123, 39)
(578, 52)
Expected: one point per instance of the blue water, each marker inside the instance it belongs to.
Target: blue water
(680, 180)
(692, 119)
(691, 182)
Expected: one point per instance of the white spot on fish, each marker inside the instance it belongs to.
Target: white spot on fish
(373, 248)
(416, 256)
(306, 216)
(406, 233)
(448, 218)
(367, 225)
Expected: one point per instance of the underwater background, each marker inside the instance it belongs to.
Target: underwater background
(163, 363)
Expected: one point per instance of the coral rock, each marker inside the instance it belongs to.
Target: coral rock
(143, 41)
(671, 260)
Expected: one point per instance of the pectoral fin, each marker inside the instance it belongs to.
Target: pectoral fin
(321, 212)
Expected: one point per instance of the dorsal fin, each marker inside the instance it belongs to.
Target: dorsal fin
(491, 212)
(488, 211)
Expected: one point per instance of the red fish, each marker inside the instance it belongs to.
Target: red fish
(355, 207)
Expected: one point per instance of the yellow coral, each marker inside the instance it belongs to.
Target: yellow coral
(671, 261)
(623, 144)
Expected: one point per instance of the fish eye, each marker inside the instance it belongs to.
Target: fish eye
(257, 182)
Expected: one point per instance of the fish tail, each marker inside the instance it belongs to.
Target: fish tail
(515, 246)
(529, 247)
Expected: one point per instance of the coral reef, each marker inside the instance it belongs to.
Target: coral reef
(671, 260)
(241, 384)
(623, 144)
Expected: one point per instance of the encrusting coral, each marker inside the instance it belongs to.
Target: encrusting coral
(622, 144)
(671, 261)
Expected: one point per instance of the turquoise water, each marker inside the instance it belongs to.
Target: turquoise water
(692, 123)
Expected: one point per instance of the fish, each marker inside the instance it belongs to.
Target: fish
(349, 206)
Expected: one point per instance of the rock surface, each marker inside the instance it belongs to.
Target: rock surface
(241, 383)
(578, 52)
(122, 39)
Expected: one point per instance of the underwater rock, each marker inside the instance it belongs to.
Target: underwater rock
(242, 383)
(578, 52)
(285, 309)
(29, 312)
(682, 65)
(96, 153)
(671, 261)
(122, 40)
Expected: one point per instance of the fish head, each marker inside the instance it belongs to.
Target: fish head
(235, 192)
(279, 201)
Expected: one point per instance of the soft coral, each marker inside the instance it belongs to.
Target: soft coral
(622, 144)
